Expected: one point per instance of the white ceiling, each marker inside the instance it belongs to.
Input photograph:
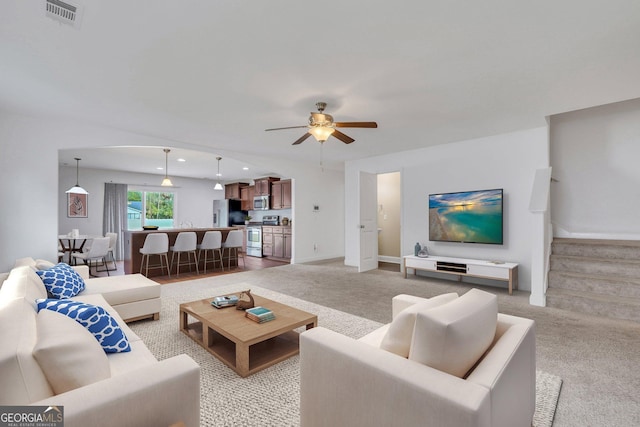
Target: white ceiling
(215, 74)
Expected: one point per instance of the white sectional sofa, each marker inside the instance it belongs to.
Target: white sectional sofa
(47, 358)
(359, 383)
(133, 296)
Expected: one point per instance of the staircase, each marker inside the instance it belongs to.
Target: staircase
(599, 277)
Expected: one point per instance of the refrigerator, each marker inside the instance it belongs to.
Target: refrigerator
(227, 213)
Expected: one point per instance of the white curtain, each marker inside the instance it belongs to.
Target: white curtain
(115, 213)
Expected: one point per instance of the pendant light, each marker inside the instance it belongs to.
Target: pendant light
(76, 188)
(218, 186)
(166, 182)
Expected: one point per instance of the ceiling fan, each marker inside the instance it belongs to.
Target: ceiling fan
(322, 126)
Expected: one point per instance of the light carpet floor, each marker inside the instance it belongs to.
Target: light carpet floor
(269, 397)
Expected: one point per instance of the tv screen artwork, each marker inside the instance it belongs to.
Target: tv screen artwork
(469, 217)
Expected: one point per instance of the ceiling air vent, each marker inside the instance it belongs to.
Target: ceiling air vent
(63, 12)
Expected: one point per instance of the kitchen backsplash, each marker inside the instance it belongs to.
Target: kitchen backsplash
(256, 216)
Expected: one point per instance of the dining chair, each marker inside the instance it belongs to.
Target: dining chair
(97, 253)
(113, 239)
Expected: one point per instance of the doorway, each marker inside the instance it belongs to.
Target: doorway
(389, 211)
(380, 205)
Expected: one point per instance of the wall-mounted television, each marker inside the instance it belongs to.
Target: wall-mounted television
(467, 217)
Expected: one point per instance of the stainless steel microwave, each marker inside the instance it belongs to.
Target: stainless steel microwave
(261, 203)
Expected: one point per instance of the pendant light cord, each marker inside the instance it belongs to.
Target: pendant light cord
(77, 171)
(166, 163)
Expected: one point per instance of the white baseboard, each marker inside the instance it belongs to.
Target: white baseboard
(538, 300)
(310, 260)
(390, 259)
(597, 236)
(561, 232)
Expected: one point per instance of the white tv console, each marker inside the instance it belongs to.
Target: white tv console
(506, 271)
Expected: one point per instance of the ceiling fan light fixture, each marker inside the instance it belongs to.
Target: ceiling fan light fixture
(321, 133)
(166, 182)
(322, 126)
(76, 188)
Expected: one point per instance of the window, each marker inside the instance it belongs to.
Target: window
(150, 208)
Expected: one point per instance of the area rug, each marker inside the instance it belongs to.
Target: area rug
(269, 397)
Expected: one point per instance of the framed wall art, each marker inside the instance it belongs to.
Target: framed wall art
(77, 205)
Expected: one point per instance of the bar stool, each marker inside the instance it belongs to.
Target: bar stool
(185, 242)
(212, 241)
(155, 244)
(234, 242)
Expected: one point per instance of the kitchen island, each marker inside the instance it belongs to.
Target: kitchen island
(134, 240)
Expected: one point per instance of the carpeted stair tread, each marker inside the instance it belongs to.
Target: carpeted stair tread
(635, 262)
(610, 249)
(597, 283)
(600, 277)
(596, 266)
(596, 304)
(599, 242)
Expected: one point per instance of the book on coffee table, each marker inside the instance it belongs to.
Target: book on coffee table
(224, 301)
(259, 314)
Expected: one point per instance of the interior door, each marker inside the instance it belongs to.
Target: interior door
(368, 222)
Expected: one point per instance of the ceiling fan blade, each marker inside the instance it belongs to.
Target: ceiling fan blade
(342, 137)
(302, 138)
(290, 127)
(356, 124)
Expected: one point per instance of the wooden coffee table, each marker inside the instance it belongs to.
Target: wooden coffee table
(240, 343)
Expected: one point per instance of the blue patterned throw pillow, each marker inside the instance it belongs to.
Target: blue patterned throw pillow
(61, 281)
(96, 319)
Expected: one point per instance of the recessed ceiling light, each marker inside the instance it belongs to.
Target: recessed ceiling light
(245, 168)
(160, 168)
(181, 160)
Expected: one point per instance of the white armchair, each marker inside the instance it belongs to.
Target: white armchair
(347, 382)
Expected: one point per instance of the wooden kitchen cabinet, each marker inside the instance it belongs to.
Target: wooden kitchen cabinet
(278, 245)
(276, 242)
(263, 185)
(287, 236)
(232, 191)
(281, 194)
(246, 198)
(267, 241)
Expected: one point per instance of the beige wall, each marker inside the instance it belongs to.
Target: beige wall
(389, 214)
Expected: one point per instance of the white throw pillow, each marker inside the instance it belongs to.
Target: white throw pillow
(28, 261)
(67, 353)
(398, 337)
(452, 338)
(43, 264)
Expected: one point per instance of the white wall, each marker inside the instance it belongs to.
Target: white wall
(29, 188)
(595, 155)
(31, 192)
(507, 161)
(318, 234)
